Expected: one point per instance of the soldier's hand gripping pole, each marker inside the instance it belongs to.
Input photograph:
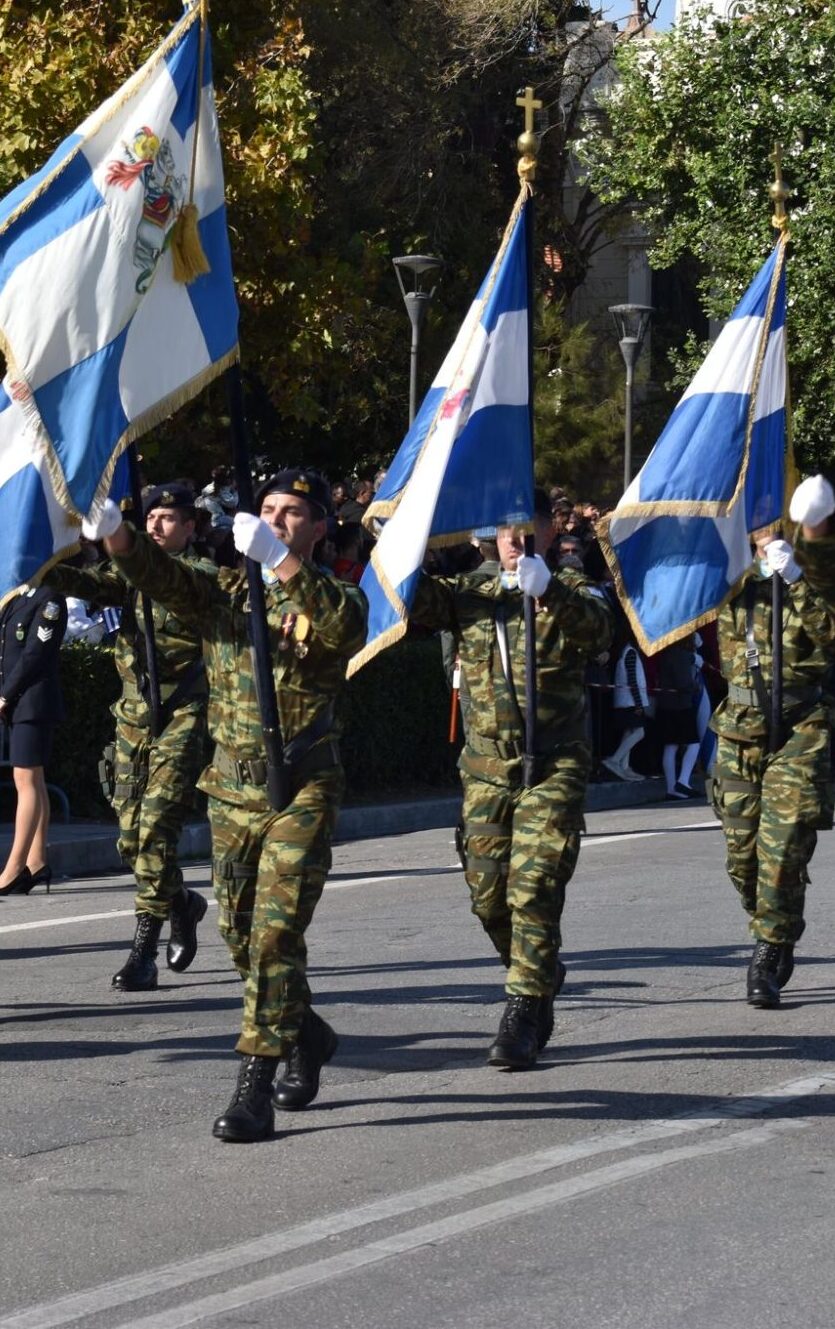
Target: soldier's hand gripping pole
(151, 692)
(278, 788)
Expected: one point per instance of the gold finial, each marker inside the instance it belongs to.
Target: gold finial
(527, 142)
(779, 191)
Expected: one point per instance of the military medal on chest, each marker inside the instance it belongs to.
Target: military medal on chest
(302, 632)
(288, 621)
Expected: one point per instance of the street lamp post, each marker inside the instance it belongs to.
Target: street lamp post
(631, 325)
(419, 269)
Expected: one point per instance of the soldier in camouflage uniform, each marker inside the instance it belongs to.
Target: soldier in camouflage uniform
(773, 803)
(521, 845)
(154, 776)
(269, 866)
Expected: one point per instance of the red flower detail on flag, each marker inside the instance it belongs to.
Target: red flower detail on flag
(453, 403)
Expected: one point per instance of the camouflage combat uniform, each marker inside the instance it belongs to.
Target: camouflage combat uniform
(269, 867)
(521, 845)
(771, 804)
(154, 778)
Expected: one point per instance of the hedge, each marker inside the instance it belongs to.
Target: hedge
(395, 717)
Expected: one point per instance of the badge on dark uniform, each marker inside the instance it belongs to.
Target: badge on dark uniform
(20, 632)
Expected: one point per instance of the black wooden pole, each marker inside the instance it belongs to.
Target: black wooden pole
(277, 785)
(151, 691)
(775, 729)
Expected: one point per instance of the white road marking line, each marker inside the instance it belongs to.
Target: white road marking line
(130, 913)
(246, 1294)
(587, 843)
(238, 1258)
(591, 841)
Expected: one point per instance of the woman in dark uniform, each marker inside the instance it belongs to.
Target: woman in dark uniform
(32, 628)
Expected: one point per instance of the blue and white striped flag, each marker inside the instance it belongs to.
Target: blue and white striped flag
(678, 540)
(467, 460)
(100, 342)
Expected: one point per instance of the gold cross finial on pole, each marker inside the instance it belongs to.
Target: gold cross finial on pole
(779, 191)
(527, 142)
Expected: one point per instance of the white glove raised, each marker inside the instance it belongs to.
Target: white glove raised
(255, 539)
(812, 501)
(102, 520)
(779, 556)
(534, 575)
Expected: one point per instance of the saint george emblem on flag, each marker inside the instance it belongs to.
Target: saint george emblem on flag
(100, 341)
(467, 460)
(679, 539)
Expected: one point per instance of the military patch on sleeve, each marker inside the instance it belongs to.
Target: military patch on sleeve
(595, 590)
(51, 610)
(45, 634)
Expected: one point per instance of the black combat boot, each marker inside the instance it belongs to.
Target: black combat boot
(186, 912)
(763, 985)
(785, 965)
(314, 1046)
(250, 1115)
(139, 973)
(517, 1041)
(546, 1008)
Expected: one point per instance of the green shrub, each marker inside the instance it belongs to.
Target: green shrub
(394, 713)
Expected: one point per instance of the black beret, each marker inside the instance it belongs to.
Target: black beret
(306, 484)
(173, 495)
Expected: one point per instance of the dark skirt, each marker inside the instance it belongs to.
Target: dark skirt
(30, 744)
(677, 726)
(626, 717)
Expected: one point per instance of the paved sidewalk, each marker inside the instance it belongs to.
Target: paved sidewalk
(81, 848)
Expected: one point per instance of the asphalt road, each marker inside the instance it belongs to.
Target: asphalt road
(668, 1164)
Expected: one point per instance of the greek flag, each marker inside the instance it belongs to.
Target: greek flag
(678, 540)
(100, 341)
(467, 460)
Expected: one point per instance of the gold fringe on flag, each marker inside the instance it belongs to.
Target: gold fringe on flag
(188, 258)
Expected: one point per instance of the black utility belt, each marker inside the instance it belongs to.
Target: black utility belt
(791, 696)
(324, 756)
(512, 749)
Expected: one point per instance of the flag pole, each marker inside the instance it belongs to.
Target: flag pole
(779, 193)
(528, 146)
(152, 695)
(277, 787)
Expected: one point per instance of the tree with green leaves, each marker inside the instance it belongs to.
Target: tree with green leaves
(687, 140)
(353, 130)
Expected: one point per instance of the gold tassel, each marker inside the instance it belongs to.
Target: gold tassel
(187, 254)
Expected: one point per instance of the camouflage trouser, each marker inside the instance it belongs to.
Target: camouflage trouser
(521, 848)
(155, 781)
(269, 870)
(771, 805)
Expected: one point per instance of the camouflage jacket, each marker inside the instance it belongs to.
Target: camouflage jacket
(178, 646)
(315, 624)
(573, 622)
(808, 651)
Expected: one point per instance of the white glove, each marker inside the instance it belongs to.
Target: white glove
(779, 556)
(102, 520)
(534, 575)
(254, 538)
(812, 501)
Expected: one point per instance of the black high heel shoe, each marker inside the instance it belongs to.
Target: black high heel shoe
(20, 885)
(43, 877)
